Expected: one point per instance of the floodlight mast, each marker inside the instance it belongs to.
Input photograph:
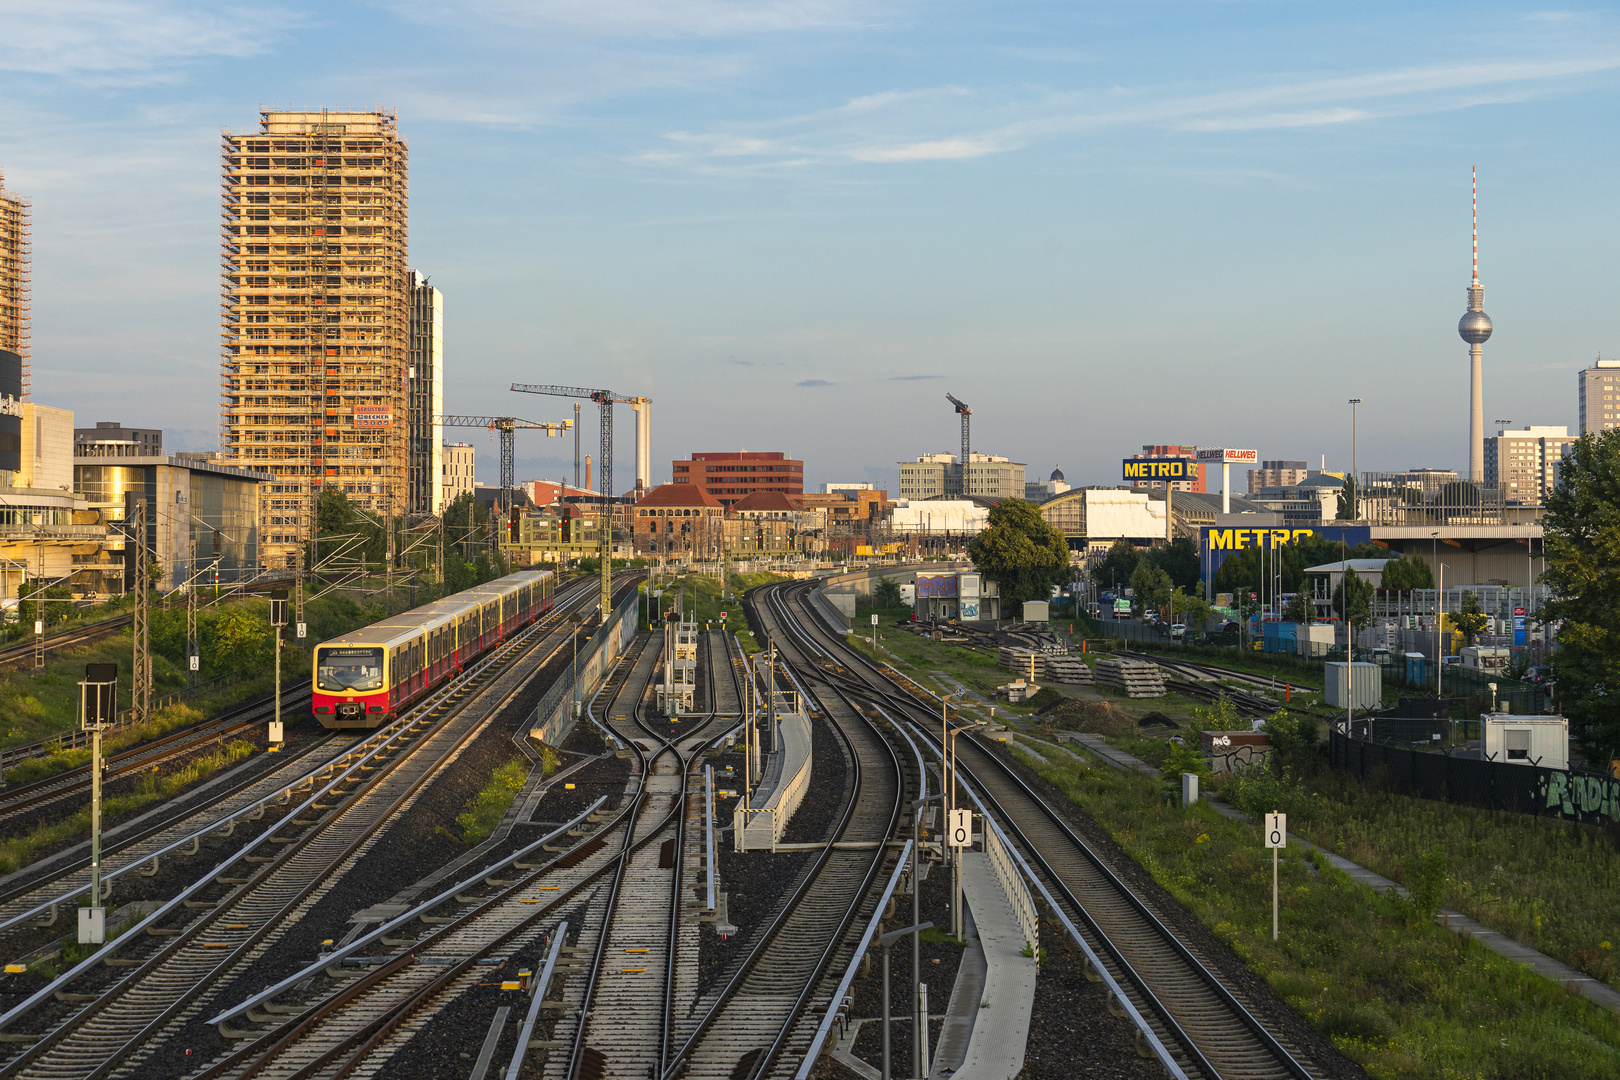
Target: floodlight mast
(604, 468)
(966, 414)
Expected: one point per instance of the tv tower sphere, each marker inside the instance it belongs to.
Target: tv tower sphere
(1474, 326)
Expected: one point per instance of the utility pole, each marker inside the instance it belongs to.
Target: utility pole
(278, 619)
(193, 652)
(141, 676)
(298, 592)
(98, 709)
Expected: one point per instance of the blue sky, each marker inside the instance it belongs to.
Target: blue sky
(796, 225)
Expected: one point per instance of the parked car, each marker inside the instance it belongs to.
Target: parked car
(1178, 630)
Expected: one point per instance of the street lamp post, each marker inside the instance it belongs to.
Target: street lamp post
(1439, 647)
(884, 942)
(1355, 468)
(919, 1017)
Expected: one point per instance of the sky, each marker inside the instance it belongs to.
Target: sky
(797, 224)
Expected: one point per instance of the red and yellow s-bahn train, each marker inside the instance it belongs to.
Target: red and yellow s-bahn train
(365, 678)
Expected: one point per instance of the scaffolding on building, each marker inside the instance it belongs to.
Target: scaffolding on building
(16, 257)
(315, 311)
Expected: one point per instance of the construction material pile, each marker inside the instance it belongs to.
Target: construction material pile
(1138, 678)
(1068, 669)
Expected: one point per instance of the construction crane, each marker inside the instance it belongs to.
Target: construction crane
(605, 400)
(508, 426)
(966, 414)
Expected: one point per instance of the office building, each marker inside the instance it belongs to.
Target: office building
(1598, 396)
(315, 336)
(1278, 474)
(679, 519)
(109, 438)
(1173, 450)
(457, 462)
(14, 267)
(1525, 462)
(829, 489)
(732, 475)
(426, 395)
(933, 476)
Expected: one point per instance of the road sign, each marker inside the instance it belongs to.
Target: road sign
(961, 828)
(303, 629)
(874, 620)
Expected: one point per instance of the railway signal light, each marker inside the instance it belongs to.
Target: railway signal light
(98, 710)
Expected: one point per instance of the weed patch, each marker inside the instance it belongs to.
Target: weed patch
(1399, 995)
(486, 809)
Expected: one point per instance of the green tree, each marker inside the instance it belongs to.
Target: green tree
(1300, 608)
(1191, 609)
(1179, 559)
(1408, 572)
(1352, 599)
(886, 594)
(332, 511)
(1152, 587)
(1117, 566)
(241, 642)
(1469, 618)
(1021, 553)
(1583, 567)
(1347, 500)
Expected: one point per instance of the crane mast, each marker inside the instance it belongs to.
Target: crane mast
(966, 414)
(604, 402)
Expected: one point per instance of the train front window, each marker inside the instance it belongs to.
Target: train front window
(349, 670)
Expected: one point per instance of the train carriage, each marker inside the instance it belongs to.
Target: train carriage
(366, 677)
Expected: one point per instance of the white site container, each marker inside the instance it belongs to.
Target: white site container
(1314, 639)
(1363, 690)
(1037, 611)
(1526, 740)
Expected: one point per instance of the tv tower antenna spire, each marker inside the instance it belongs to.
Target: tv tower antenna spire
(1475, 328)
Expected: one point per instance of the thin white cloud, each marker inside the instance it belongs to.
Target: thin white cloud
(1278, 106)
(132, 40)
(936, 150)
(645, 18)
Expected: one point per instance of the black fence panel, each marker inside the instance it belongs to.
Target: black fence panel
(1589, 798)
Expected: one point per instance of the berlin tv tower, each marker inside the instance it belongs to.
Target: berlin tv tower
(1475, 328)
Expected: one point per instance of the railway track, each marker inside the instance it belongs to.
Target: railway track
(224, 921)
(354, 1025)
(1204, 681)
(1206, 1026)
(175, 744)
(23, 652)
(752, 1026)
(725, 682)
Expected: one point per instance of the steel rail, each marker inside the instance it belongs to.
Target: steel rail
(250, 811)
(1038, 809)
(819, 874)
(445, 697)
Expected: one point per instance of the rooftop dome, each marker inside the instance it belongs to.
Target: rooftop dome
(1057, 474)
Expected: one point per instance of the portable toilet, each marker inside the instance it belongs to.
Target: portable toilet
(1417, 666)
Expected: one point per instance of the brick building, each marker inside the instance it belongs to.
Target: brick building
(734, 474)
(677, 521)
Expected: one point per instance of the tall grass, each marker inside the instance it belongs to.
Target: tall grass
(486, 809)
(152, 787)
(1547, 883)
(1395, 993)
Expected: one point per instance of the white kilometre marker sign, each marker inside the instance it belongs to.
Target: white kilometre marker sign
(1276, 837)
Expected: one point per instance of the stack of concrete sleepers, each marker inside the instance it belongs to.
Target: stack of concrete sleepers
(1067, 669)
(1138, 678)
(1014, 659)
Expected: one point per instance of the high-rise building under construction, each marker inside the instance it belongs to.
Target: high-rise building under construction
(316, 310)
(14, 256)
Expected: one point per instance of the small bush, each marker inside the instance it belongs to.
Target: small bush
(1221, 716)
(485, 810)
